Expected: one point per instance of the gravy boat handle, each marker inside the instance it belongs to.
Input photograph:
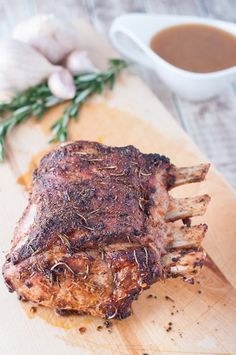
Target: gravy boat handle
(128, 44)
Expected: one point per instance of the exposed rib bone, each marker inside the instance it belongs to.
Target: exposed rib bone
(180, 208)
(185, 237)
(186, 265)
(190, 174)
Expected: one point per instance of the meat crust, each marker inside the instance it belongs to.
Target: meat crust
(96, 231)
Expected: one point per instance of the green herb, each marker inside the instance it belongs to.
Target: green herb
(37, 100)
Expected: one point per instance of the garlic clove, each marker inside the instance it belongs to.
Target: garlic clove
(79, 62)
(51, 36)
(21, 66)
(62, 84)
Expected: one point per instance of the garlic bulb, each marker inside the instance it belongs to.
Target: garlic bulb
(62, 84)
(78, 62)
(21, 66)
(52, 37)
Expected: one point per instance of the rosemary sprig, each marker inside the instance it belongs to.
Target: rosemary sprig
(38, 99)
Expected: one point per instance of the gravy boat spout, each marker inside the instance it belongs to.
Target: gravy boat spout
(131, 35)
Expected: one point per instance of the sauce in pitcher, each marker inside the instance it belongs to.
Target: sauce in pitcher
(196, 48)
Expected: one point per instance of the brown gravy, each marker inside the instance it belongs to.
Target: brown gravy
(196, 48)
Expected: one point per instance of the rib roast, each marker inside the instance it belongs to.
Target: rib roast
(98, 229)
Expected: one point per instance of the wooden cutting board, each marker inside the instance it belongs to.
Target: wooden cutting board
(202, 317)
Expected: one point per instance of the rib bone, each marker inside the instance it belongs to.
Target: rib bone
(185, 237)
(181, 208)
(182, 264)
(190, 174)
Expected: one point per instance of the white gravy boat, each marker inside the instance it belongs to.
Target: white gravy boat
(131, 35)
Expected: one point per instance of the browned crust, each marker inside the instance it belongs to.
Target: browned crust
(90, 196)
(100, 234)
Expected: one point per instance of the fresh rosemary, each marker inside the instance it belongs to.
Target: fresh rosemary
(38, 99)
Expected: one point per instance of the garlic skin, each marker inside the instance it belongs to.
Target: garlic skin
(51, 36)
(62, 85)
(21, 66)
(6, 96)
(78, 62)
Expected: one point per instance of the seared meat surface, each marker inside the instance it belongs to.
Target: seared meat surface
(99, 229)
